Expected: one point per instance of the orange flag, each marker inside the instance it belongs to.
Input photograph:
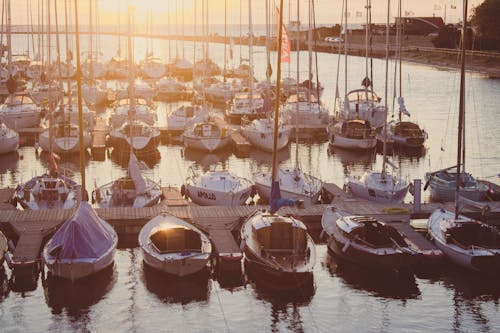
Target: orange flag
(285, 42)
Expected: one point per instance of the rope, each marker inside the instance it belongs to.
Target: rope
(220, 305)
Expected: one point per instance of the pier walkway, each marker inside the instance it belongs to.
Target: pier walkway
(32, 228)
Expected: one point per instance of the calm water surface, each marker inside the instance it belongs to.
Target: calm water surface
(129, 298)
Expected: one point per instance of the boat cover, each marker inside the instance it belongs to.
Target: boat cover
(83, 235)
(134, 172)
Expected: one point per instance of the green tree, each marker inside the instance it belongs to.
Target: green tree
(485, 19)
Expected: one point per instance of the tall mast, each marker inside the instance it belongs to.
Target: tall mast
(461, 110)
(225, 40)
(384, 150)
(80, 106)
(297, 87)
(278, 87)
(131, 76)
(250, 51)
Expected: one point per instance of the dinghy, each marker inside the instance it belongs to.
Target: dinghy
(84, 245)
(367, 242)
(174, 246)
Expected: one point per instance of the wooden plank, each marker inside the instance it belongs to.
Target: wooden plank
(224, 242)
(28, 247)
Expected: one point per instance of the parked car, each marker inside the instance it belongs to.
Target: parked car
(333, 39)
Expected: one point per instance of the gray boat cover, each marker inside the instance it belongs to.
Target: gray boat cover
(83, 235)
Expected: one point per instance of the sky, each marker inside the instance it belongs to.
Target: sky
(327, 11)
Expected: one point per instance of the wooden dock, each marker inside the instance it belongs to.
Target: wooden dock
(99, 135)
(221, 223)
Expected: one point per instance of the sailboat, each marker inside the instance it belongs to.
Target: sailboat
(19, 111)
(278, 247)
(381, 186)
(94, 91)
(133, 190)
(51, 190)
(217, 188)
(9, 139)
(364, 103)
(464, 241)
(367, 241)
(349, 134)
(84, 245)
(132, 122)
(303, 109)
(404, 134)
(65, 139)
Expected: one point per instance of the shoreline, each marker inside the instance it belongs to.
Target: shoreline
(415, 49)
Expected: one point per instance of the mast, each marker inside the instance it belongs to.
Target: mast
(225, 40)
(277, 107)
(346, 34)
(461, 111)
(309, 51)
(400, 42)
(298, 80)
(250, 52)
(80, 106)
(384, 150)
(268, 53)
(131, 77)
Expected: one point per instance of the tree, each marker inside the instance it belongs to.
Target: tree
(485, 19)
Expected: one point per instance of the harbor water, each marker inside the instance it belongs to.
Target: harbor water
(131, 298)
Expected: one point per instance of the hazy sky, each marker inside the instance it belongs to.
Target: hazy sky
(327, 11)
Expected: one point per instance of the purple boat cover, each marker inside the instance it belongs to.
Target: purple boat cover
(83, 235)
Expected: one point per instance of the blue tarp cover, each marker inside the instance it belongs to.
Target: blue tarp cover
(83, 235)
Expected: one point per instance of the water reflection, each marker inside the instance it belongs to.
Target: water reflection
(76, 297)
(410, 155)
(69, 165)
(349, 158)
(207, 161)
(232, 279)
(173, 289)
(378, 283)
(9, 162)
(4, 284)
(272, 293)
(261, 158)
(120, 157)
(285, 305)
(470, 292)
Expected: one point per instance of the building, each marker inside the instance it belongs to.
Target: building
(420, 25)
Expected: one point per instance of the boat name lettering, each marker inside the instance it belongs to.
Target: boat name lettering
(205, 195)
